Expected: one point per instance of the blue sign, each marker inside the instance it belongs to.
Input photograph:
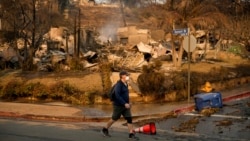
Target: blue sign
(182, 32)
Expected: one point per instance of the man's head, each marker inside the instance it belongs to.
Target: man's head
(124, 75)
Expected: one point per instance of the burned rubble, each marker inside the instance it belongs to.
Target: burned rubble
(125, 48)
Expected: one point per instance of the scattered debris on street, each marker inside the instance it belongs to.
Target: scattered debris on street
(188, 126)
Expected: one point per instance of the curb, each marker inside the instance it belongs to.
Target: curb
(237, 97)
(51, 118)
(105, 119)
(226, 99)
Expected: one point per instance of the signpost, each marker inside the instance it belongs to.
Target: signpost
(189, 45)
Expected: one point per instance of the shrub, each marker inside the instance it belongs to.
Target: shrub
(150, 81)
(89, 97)
(1, 90)
(179, 80)
(105, 72)
(12, 90)
(242, 70)
(36, 90)
(216, 74)
(75, 64)
(63, 90)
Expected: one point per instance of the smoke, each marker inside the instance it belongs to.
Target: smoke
(102, 1)
(108, 32)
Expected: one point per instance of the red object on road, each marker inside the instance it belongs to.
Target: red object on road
(147, 129)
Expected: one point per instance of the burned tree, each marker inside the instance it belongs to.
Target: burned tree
(30, 20)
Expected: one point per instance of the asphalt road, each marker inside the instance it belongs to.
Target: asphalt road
(232, 122)
(18, 130)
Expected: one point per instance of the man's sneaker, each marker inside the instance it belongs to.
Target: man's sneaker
(105, 132)
(133, 137)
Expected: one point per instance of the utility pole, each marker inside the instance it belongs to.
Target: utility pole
(1, 15)
(122, 11)
(75, 38)
(50, 12)
(189, 61)
(67, 38)
(79, 33)
(33, 23)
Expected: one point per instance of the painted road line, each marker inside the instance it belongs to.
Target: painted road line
(221, 116)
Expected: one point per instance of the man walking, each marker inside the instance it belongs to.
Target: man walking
(121, 105)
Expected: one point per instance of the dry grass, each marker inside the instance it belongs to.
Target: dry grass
(77, 86)
(214, 75)
(153, 82)
(12, 90)
(72, 87)
(74, 64)
(62, 91)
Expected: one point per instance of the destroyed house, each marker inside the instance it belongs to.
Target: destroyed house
(131, 35)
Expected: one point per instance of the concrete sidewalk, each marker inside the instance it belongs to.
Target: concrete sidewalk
(98, 113)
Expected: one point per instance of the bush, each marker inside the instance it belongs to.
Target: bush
(75, 64)
(36, 90)
(241, 70)
(12, 90)
(216, 74)
(151, 81)
(235, 49)
(60, 91)
(63, 90)
(105, 72)
(89, 97)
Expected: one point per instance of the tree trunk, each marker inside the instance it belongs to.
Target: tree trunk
(122, 11)
(180, 53)
(75, 38)
(15, 46)
(174, 55)
(28, 64)
(67, 44)
(171, 4)
(206, 45)
(177, 55)
(33, 24)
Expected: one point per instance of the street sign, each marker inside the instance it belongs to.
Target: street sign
(189, 45)
(182, 32)
(192, 43)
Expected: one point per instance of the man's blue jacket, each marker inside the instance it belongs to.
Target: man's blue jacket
(121, 94)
